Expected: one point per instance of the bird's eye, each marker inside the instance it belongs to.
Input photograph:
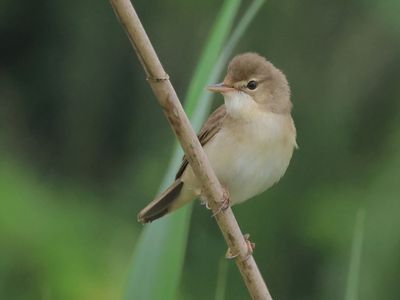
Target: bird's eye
(252, 85)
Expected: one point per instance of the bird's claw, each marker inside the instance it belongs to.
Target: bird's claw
(225, 203)
(250, 249)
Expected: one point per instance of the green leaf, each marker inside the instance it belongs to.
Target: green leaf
(220, 291)
(158, 258)
(356, 250)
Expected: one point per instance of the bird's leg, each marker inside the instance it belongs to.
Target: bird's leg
(250, 246)
(225, 203)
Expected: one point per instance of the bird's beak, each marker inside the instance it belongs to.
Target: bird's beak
(220, 88)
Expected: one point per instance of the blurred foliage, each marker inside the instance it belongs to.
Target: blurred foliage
(84, 145)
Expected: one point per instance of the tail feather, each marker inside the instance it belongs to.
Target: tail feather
(162, 204)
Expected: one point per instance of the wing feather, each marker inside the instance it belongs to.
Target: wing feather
(207, 132)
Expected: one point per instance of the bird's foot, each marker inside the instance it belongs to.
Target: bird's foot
(225, 203)
(250, 249)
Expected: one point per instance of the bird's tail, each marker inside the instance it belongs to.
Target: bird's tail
(163, 204)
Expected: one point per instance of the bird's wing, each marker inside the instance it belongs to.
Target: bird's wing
(207, 132)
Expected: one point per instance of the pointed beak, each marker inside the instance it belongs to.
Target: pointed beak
(220, 88)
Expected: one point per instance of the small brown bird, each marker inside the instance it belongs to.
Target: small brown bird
(249, 140)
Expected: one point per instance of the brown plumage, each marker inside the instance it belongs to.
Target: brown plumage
(207, 132)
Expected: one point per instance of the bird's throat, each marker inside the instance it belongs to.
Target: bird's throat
(240, 105)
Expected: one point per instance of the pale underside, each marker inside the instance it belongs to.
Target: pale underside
(249, 150)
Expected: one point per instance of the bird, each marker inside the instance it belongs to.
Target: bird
(249, 140)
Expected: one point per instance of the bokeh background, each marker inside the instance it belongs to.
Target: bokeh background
(84, 145)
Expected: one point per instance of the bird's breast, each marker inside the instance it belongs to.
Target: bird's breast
(249, 157)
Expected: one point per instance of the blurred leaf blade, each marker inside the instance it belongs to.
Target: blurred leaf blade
(355, 259)
(222, 279)
(167, 237)
(210, 55)
(164, 243)
(204, 100)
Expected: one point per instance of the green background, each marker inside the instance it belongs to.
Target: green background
(84, 146)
